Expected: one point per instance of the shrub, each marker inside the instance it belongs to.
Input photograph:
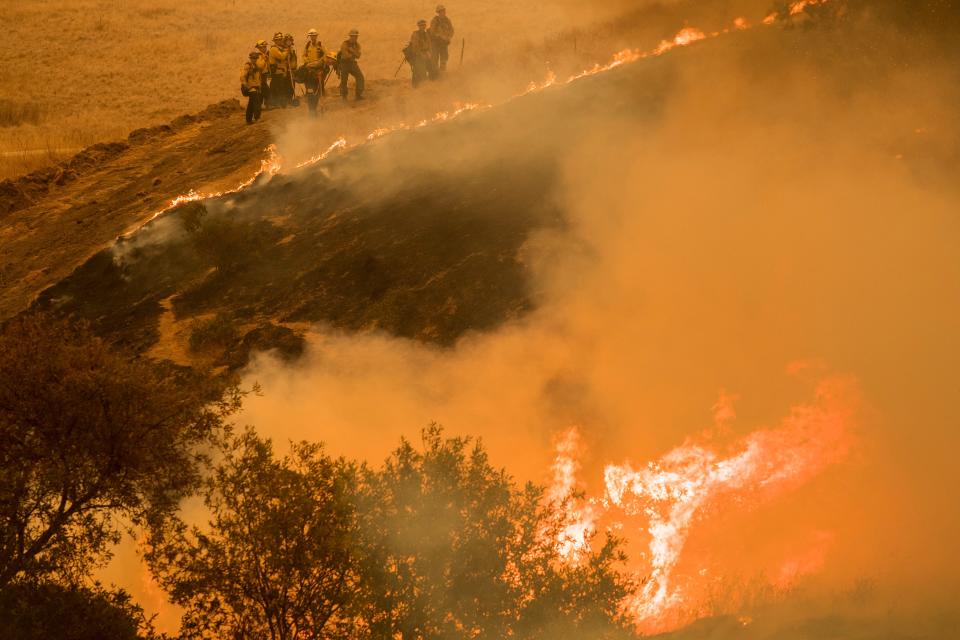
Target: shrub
(213, 334)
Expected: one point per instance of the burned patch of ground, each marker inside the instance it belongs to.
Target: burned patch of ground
(417, 234)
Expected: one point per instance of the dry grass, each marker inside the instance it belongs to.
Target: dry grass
(105, 67)
(13, 114)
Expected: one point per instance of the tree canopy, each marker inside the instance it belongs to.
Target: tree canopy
(90, 440)
(436, 543)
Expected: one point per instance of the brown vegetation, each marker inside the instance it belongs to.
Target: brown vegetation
(101, 68)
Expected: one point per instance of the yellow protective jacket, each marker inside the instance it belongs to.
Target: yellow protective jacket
(350, 51)
(252, 75)
(313, 54)
(292, 56)
(420, 44)
(441, 28)
(262, 62)
(279, 60)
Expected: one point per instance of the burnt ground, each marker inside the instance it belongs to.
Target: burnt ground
(53, 219)
(417, 234)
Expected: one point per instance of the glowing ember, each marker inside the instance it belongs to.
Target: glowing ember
(665, 498)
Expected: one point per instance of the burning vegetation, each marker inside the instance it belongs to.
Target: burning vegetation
(479, 265)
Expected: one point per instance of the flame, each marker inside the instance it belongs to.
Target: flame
(684, 38)
(269, 166)
(579, 519)
(339, 143)
(549, 81)
(668, 496)
(799, 6)
(272, 164)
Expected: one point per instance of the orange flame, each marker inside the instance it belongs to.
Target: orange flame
(686, 36)
(579, 520)
(669, 495)
(800, 5)
(269, 166)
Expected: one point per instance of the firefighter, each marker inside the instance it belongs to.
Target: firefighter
(291, 51)
(420, 54)
(262, 64)
(279, 63)
(441, 32)
(313, 69)
(292, 67)
(349, 64)
(251, 83)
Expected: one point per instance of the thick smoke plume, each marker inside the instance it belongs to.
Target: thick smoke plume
(784, 212)
(792, 200)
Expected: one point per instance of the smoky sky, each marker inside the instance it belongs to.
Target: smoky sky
(781, 196)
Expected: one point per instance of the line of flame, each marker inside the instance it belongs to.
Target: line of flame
(272, 164)
(683, 38)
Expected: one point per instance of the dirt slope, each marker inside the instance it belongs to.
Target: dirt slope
(53, 219)
(419, 234)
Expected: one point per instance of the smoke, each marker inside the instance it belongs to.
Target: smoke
(793, 198)
(764, 199)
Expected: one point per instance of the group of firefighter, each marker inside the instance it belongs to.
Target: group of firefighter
(271, 75)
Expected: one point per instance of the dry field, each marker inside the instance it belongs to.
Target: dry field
(82, 71)
(76, 72)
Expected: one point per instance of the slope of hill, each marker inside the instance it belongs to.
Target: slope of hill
(419, 233)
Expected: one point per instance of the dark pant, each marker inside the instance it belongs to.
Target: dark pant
(265, 92)
(420, 67)
(441, 54)
(280, 90)
(311, 80)
(254, 102)
(351, 68)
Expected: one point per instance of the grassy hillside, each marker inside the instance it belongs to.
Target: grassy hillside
(75, 72)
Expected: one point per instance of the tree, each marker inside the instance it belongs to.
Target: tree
(89, 439)
(40, 611)
(451, 547)
(276, 558)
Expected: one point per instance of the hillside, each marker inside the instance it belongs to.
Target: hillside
(418, 233)
(765, 211)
